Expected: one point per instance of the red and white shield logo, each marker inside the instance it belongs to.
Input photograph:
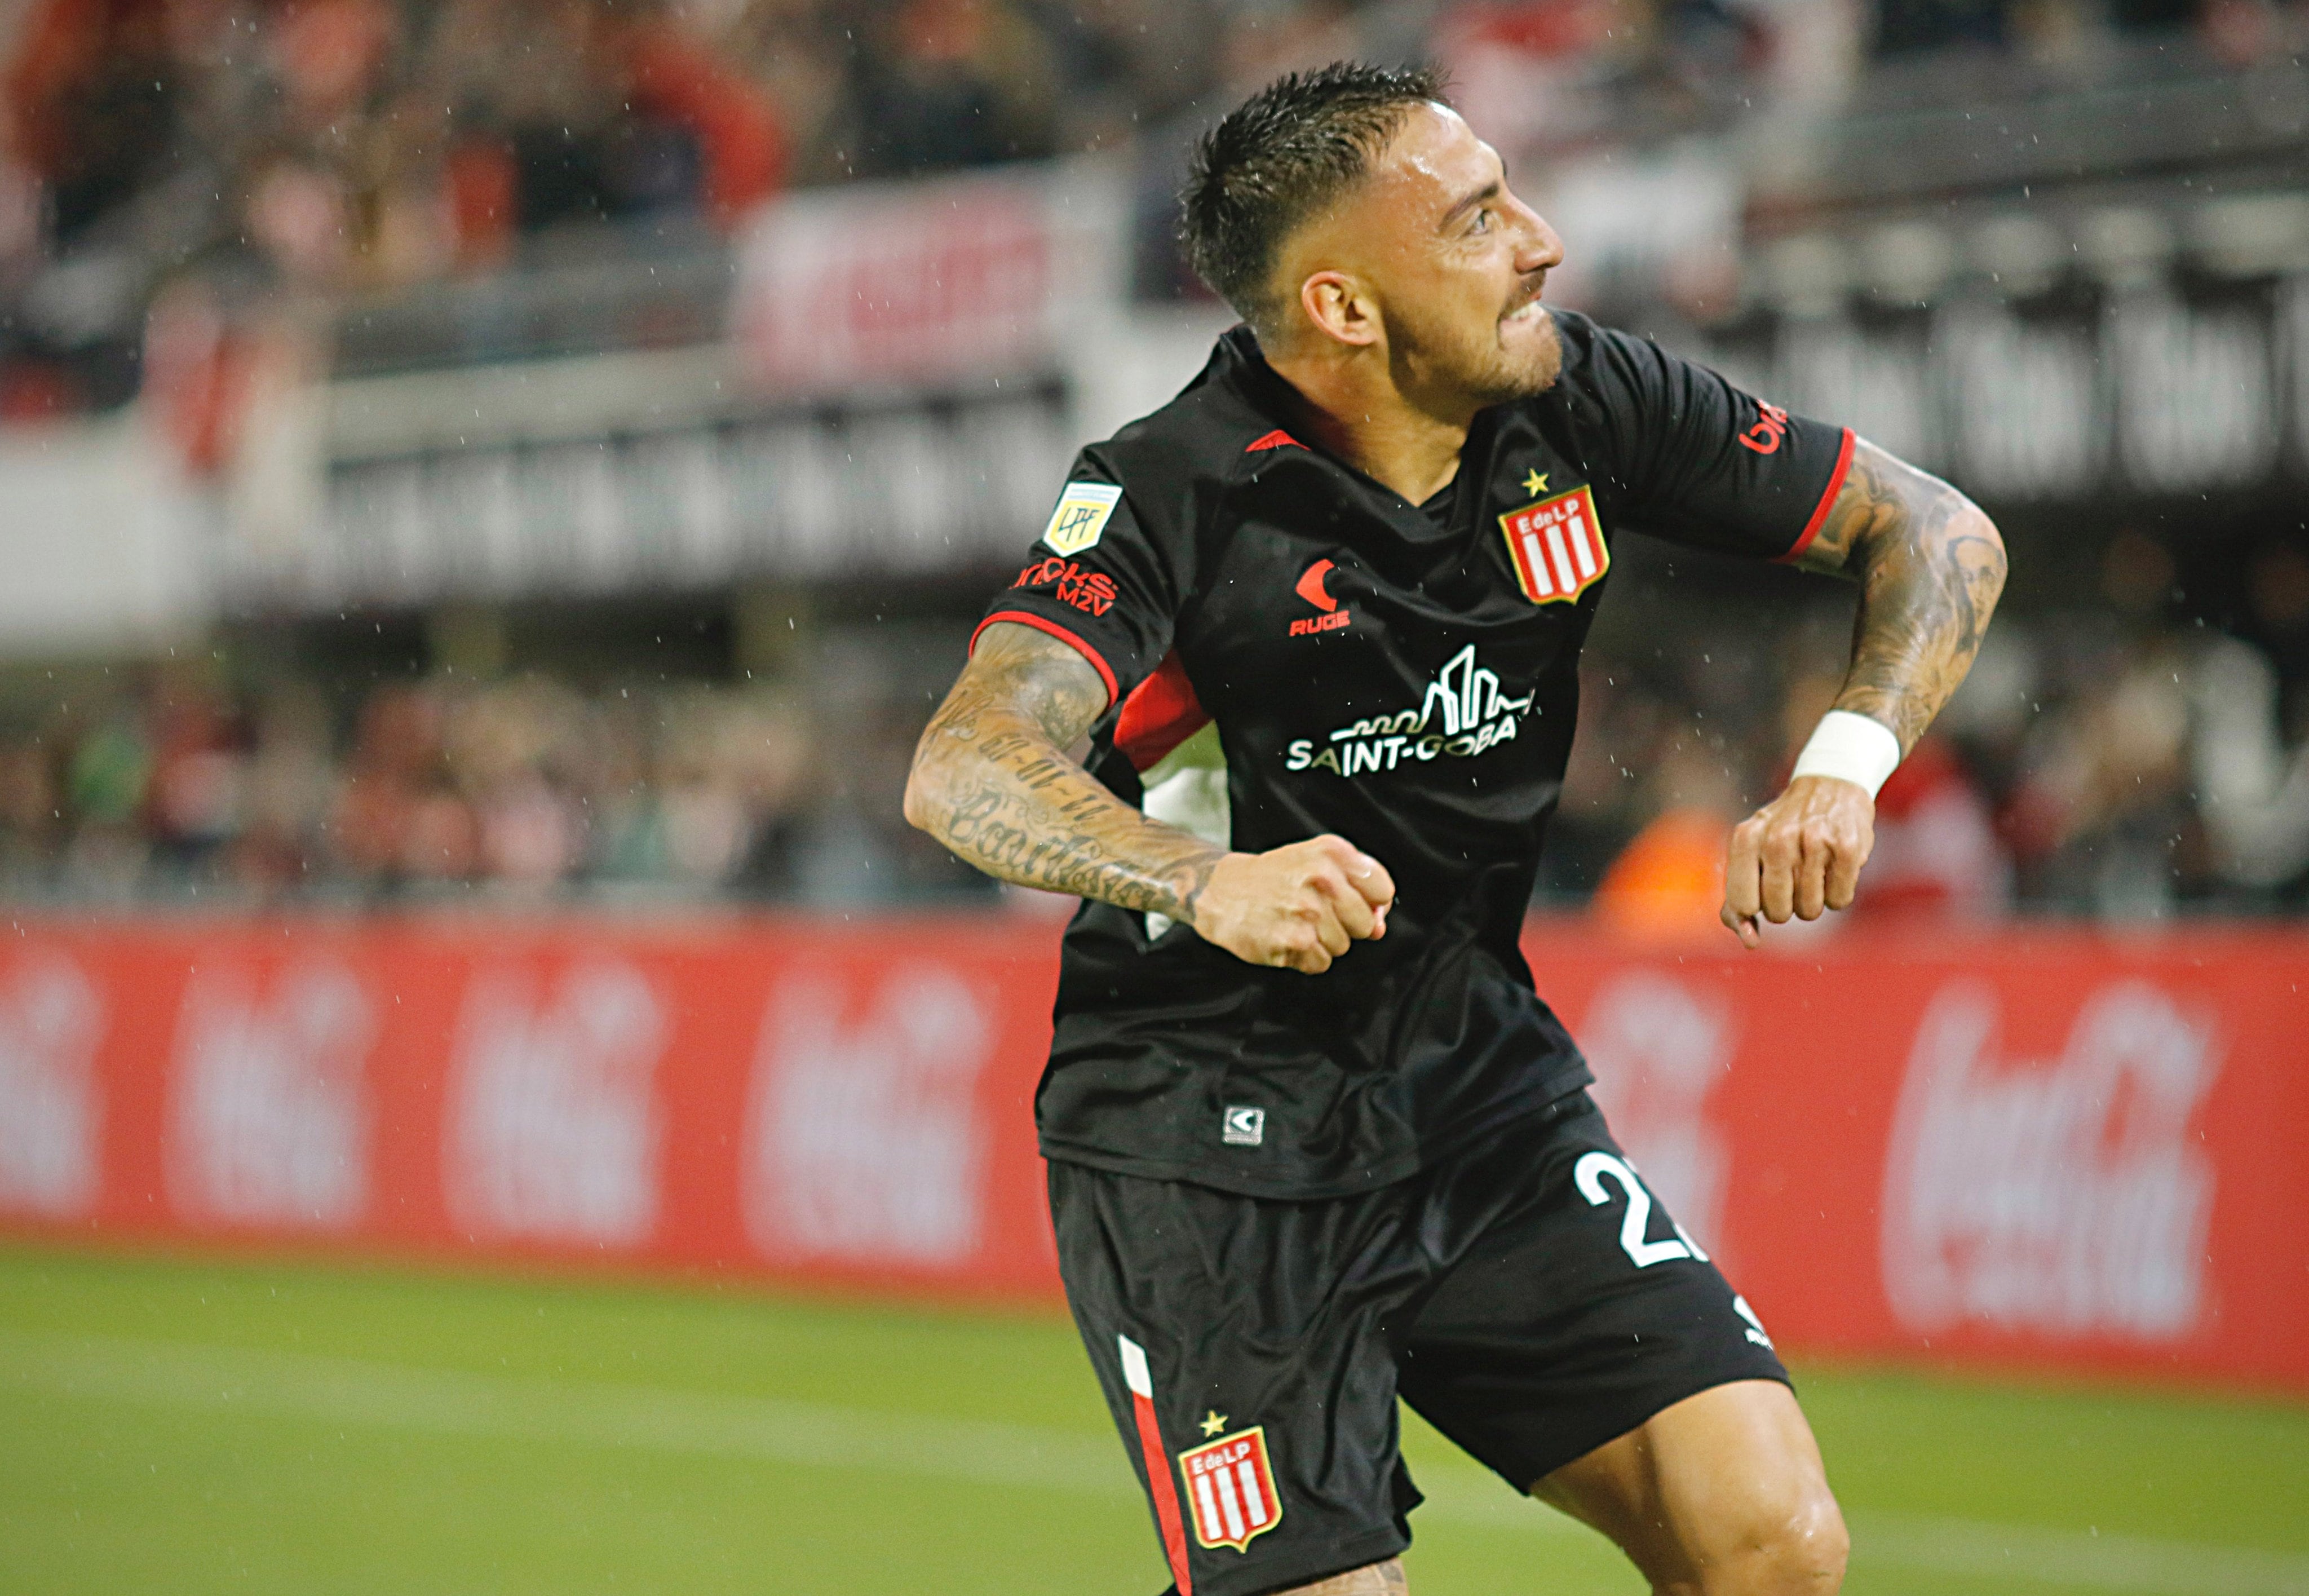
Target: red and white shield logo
(1231, 1488)
(1557, 546)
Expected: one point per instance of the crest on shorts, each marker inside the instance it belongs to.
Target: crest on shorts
(1230, 1490)
(1557, 547)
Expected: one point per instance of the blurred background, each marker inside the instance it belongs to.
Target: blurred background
(545, 458)
(554, 449)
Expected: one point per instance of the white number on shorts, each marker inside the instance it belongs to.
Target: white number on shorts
(1589, 1175)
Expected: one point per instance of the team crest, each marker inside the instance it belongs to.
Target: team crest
(1557, 547)
(1081, 517)
(1231, 1490)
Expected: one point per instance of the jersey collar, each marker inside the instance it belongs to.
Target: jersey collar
(1238, 361)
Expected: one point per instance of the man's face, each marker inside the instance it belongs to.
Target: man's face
(1455, 262)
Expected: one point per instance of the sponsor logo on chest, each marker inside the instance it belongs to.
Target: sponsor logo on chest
(1310, 586)
(1463, 714)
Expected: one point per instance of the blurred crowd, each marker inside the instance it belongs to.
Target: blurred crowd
(272, 148)
(268, 149)
(2114, 761)
(166, 165)
(177, 788)
(2103, 762)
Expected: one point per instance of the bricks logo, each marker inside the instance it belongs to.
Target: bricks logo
(1090, 591)
(554, 1131)
(1557, 547)
(1770, 428)
(269, 1117)
(51, 1109)
(864, 1140)
(2070, 1195)
(1230, 1490)
(1463, 714)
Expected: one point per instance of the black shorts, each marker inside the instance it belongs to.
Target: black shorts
(1530, 1299)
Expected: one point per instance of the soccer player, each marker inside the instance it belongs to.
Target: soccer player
(1314, 1142)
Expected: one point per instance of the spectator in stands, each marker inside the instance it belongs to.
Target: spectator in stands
(1668, 883)
(31, 811)
(945, 83)
(287, 792)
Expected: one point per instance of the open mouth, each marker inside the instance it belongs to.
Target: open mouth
(1525, 309)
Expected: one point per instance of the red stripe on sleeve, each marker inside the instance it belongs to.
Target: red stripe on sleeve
(1827, 501)
(1161, 713)
(1026, 618)
(1166, 1493)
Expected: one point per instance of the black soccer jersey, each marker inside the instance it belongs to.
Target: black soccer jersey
(1402, 675)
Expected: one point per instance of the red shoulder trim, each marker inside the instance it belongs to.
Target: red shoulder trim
(1161, 713)
(1827, 502)
(1027, 618)
(1277, 440)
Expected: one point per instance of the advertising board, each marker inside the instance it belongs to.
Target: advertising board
(2022, 1148)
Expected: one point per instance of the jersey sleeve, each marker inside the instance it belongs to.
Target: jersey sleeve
(1105, 578)
(1697, 461)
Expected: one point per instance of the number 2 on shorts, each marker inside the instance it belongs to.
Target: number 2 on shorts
(1589, 1175)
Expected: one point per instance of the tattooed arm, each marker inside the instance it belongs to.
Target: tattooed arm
(993, 780)
(1930, 568)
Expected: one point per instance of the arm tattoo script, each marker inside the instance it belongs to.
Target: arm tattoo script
(1929, 566)
(992, 780)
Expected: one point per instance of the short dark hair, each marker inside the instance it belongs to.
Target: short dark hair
(1279, 157)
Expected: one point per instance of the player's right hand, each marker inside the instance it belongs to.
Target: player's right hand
(1295, 907)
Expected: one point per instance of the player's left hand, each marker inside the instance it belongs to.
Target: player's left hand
(1799, 855)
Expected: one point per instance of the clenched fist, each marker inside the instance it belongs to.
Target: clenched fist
(1799, 855)
(1296, 907)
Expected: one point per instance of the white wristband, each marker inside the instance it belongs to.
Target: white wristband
(1852, 748)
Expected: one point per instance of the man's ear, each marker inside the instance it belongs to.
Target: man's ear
(1340, 308)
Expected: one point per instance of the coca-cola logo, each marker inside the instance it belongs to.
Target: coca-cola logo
(51, 1112)
(864, 1142)
(269, 1113)
(2067, 1195)
(1659, 1049)
(553, 1129)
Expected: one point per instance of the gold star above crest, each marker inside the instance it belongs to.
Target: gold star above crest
(1535, 483)
(1214, 1424)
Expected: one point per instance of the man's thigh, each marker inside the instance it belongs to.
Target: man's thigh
(1723, 1491)
(1241, 1348)
(1573, 1308)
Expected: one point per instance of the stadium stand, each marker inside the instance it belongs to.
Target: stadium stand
(585, 431)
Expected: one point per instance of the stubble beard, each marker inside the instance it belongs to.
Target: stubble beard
(1484, 371)
(1509, 375)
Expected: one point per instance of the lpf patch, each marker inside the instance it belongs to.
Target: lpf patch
(1557, 546)
(1081, 517)
(1231, 1488)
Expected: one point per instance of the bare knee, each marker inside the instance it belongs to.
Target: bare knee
(1375, 1579)
(1798, 1550)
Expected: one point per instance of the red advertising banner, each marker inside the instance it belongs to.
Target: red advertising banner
(2025, 1148)
(953, 279)
(2029, 1148)
(805, 1101)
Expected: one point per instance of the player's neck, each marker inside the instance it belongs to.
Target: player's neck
(1355, 411)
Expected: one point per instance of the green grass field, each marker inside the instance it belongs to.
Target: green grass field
(189, 1427)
